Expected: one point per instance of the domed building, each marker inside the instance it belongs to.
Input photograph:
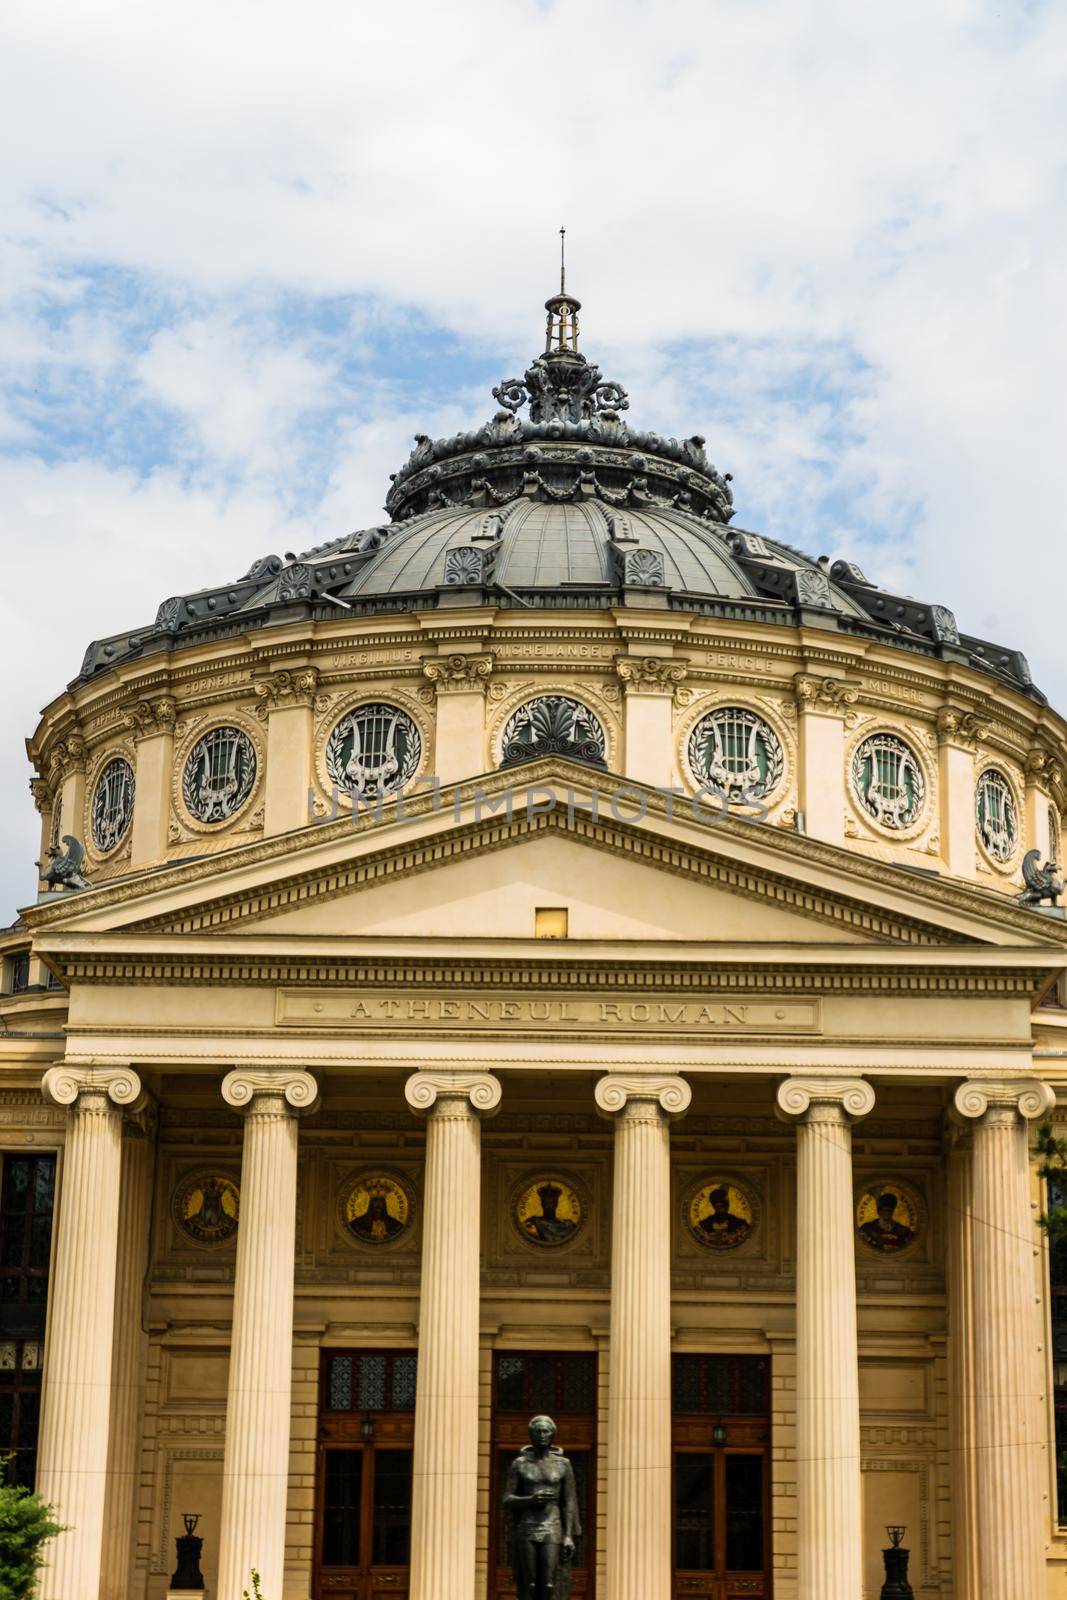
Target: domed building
(552, 953)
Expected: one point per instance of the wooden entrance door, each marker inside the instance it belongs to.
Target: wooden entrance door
(721, 1489)
(528, 1384)
(363, 1492)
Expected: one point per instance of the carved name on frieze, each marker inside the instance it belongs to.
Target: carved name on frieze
(554, 652)
(377, 657)
(384, 1010)
(738, 663)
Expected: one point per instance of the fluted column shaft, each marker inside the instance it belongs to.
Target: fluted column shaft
(444, 1506)
(1011, 1520)
(961, 1381)
(639, 1556)
(72, 1455)
(255, 1471)
(128, 1357)
(829, 1515)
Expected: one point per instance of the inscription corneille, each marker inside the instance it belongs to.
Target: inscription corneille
(390, 1010)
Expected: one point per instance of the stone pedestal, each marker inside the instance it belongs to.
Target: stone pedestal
(961, 1384)
(444, 1505)
(73, 1449)
(255, 1473)
(128, 1355)
(639, 1557)
(829, 1516)
(1012, 1503)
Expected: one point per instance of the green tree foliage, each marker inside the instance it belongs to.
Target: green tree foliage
(26, 1525)
(1053, 1169)
(257, 1593)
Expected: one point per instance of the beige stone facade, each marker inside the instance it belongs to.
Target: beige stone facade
(352, 1032)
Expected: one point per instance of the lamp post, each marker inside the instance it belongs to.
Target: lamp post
(896, 1585)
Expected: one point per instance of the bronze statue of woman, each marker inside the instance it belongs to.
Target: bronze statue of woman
(543, 1502)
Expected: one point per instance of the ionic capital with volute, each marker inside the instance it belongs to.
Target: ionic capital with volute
(664, 1094)
(66, 1084)
(245, 1086)
(480, 1090)
(1028, 1098)
(838, 1098)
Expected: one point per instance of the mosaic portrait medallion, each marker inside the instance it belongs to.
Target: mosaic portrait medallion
(720, 1214)
(547, 1210)
(206, 1206)
(889, 1216)
(376, 1208)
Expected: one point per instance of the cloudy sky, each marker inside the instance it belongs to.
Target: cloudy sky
(250, 248)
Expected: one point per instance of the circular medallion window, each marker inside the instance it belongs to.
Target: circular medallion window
(112, 805)
(735, 752)
(888, 781)
(996, 815)
(219, 775)
(373, 751)
(553, 725)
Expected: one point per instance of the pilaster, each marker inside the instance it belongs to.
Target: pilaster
(286, 700)
(459, 682)
(830, 1525)
(255, 1472)
(1043, 772)
(962, 1419)
(444, 1511)
(152, 723)
(639, 1556)
(77, 1398)
(651, 685)
(1009, 1430)
(958, 733)
(822, 706)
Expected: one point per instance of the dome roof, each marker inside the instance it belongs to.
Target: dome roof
(567, 506)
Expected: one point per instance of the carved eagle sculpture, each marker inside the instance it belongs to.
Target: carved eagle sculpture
(1042, 883)
(64, 869)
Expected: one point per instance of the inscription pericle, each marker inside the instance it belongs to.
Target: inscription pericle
(362, 1009)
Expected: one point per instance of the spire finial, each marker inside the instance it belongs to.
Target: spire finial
(562, 331)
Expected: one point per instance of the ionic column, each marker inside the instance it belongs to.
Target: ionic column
(445, 1470)
(961, 1384)
(72, 1457)
(128, 1354)
(255, 1470)
(1008, 1421)
(829, 1517)
(639, 1559)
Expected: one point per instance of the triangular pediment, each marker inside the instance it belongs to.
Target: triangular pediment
(458, 866)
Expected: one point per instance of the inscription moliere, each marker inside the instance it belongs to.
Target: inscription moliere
(390, 1011)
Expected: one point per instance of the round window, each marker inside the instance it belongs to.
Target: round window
(996, 815)
(552, 725)
(888, 781)
(736, 753)
(373, 751)
(112, 805)
(219, 775)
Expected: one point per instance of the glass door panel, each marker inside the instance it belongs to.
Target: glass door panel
(694, 1515)
(744, 1513)
(342, 1504)
(391, 1526)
